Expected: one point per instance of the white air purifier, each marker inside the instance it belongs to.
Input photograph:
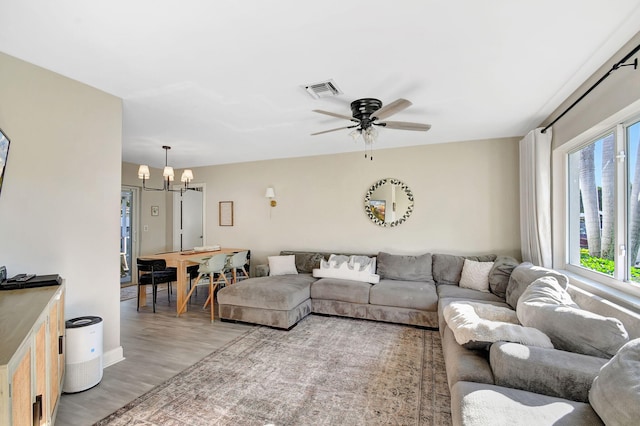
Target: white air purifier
(83, 354)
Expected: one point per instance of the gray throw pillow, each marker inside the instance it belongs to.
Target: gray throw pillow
(615, 393)
(548, 307)
(500, 274)
(526, 273)
(405, 268)
(447, 268)
(305, 261)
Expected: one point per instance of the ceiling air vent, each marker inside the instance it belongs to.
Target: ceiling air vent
(323, 89)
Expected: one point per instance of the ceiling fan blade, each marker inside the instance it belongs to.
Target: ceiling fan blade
(333, 114)
(333, 130)
(390, 109)
(404, 125)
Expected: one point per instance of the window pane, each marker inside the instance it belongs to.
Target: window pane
(592, 206)
(633, 193)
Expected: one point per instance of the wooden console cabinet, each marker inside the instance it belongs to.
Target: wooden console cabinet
(31, 355)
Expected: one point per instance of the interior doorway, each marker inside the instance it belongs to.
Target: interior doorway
(188, 219)
(128, 232)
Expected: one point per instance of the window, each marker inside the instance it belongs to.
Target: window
(603, 205)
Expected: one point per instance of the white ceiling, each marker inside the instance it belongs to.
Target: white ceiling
(221, 81)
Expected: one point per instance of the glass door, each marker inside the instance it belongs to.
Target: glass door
(126, 232)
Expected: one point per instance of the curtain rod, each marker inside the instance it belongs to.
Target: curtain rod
(619, 64)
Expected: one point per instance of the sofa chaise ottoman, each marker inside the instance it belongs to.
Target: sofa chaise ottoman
(278, 301)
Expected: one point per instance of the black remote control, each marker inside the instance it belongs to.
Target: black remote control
(27, 277)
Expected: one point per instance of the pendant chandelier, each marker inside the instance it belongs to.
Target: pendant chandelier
(168, 175)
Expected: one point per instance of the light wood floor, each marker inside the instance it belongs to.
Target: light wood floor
(156, 347)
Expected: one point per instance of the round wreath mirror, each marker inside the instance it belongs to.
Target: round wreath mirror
(389, 202)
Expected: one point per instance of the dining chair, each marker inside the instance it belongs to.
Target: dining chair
(153, 272)
(209, 266)
(236, 262)
(124, 266)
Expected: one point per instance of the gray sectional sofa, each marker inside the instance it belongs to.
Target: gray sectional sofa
(406, 293)
(491, 382)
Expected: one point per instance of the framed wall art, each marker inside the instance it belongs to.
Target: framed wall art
(225, 213)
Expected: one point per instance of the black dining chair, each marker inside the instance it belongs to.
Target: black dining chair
(153, 272)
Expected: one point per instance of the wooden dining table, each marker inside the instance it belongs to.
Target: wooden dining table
(181, 260)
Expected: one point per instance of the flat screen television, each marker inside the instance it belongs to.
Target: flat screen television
(4, 153)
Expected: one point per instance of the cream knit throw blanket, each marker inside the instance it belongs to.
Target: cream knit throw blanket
(473, 322)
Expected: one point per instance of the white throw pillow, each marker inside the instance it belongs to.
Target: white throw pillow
(354, 268)
(282, 265)
(475, 275)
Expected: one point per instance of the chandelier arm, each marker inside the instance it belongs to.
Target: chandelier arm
(147, 188)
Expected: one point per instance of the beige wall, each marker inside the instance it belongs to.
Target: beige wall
(466, 201)
(60, 197)
(619, 90)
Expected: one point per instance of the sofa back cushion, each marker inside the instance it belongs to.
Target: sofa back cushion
(306, 261)
(548, 307)
(500, 274)
(447, 268)
(405, 268)
(526, 273)
(615, 393)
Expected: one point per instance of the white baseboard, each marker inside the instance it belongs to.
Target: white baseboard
(114, 356)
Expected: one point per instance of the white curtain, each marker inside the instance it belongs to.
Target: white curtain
(535, 198)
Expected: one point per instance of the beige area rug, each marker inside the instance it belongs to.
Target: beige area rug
(324, 371)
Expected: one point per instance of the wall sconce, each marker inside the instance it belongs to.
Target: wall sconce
(271, 194)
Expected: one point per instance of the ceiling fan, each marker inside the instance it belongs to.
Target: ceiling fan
(368, 112)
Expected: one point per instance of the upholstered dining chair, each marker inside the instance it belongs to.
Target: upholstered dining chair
(209, 266)
(153, 272)
(237, 262)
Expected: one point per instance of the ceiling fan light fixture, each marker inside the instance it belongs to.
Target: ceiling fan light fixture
(367, 113)
(369, 135)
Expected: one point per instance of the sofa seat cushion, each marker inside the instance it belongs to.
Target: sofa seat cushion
(462, 364)
(342, 290)
(283, 292)
(405, 294)
(547, 371)
(481, 404)
(466, 293)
